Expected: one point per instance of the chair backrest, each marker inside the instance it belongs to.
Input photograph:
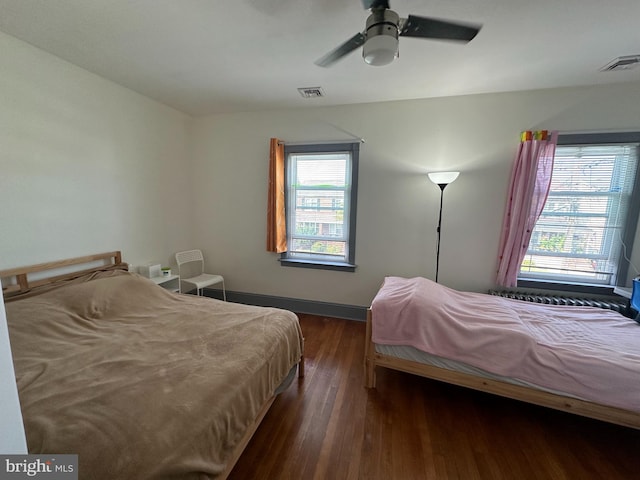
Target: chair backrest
(190, 256)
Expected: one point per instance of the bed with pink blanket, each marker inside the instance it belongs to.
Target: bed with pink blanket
(583, 360)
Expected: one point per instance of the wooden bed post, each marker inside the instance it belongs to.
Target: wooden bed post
(369, 352)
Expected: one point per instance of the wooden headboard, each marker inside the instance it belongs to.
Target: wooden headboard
(19, 277)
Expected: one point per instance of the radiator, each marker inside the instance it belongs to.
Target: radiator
(617, 304)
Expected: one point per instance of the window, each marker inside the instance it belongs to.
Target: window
(321, 193)
(591, 213)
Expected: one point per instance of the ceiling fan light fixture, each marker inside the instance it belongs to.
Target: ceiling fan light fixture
(380, 50)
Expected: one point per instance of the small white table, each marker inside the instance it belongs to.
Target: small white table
(170, 282)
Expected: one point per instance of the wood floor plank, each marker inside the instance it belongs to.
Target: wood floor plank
(328, 426)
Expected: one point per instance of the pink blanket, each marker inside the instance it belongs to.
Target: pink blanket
(587, 352)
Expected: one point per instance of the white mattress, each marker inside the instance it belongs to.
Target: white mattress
(413, 354)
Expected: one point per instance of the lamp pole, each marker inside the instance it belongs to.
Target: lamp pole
(442, 187)
(442, 179)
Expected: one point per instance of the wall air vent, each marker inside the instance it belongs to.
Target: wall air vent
(622, 63)
(311, 92)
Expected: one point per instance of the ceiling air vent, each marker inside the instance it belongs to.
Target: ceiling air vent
(622, 63)
(311, 92)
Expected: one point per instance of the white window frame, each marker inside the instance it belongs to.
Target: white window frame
(626, 236)
(347, 232)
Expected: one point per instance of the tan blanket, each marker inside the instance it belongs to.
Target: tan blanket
(142, 383)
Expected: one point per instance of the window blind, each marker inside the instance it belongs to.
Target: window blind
(578, 236)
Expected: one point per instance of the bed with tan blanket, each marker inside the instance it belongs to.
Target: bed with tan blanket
(584, 360)
(143, 383)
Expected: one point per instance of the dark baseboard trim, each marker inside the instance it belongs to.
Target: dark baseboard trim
(324, 309)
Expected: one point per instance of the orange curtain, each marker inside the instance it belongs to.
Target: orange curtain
(276, 219)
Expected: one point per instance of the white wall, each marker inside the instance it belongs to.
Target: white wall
(397, 205)
(86, 165)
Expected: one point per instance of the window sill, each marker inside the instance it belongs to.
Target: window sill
(566, 287)
(343, 267)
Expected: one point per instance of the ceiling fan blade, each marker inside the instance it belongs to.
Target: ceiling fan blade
(368, 4)
(347, 47)
(423, 27)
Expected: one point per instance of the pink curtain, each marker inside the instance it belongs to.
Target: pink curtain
(528, 191)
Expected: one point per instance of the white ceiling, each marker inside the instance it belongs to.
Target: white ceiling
(212, 56)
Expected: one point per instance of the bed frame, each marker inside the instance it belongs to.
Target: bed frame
(373, 359)
(46, 273)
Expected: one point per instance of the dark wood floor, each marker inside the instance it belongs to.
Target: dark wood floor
(328, 426)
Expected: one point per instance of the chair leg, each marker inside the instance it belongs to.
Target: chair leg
(224, 292)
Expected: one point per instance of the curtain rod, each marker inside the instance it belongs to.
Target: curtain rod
(603, 130)
(321, 142)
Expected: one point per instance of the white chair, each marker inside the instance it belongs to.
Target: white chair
(192, 263)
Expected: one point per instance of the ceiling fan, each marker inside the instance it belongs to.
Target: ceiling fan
(380, 37)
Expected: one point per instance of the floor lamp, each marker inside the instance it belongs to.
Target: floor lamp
(442, 179)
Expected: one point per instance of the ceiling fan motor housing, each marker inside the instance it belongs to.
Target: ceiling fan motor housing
(381, 45)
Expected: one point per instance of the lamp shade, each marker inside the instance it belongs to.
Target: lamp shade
(443, 178)
(380, 50)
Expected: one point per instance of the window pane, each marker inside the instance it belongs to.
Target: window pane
(321, 171)
(323, 247)
(578, 235)
(319, 213)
